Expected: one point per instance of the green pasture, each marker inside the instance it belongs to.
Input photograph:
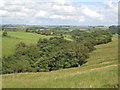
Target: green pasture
(101, 71)
(9, 43)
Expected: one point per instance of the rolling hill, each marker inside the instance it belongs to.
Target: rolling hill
(101, 71)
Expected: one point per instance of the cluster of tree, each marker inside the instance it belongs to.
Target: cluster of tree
(45, 32)
(35, 28)
(95, 38)
(60, 28)
(48, 32)
(14, 28)
(11, 29)
(51, 54)
(5, 33)
(114, 29)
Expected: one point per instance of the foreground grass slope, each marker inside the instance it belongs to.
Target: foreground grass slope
(101, 71)
(9, 43)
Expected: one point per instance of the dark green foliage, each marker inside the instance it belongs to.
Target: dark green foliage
(63, 59)
(21, 44)
(96, 37)
(5, 33)
(114, 29)
(54, 53)
(13, 64)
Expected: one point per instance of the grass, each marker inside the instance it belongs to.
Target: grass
(9, 43)
(101, 71)
(105, 52)
(61, 79)
(0, 45)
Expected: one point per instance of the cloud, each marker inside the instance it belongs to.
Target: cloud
(81, 19)
(60, 11)
(93, 14)
(60, 17)
(3, 12)
(2, 3)
(60, 1)
(43, 14)
(64, 9)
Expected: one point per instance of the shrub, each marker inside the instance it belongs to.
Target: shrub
(5, 33)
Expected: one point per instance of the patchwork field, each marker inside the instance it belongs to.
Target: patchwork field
(101, 70)
(9, 43)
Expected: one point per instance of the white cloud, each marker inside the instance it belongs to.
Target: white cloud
(64, 9)
(111, 6)
(21, 14)
(13, 8)
(15, 2)
(73, 18)
(81, 19)
(3, 12)
(42, 14)
(60, 17)
(41, 10)
(2, 3)
(90, 13)
(109, 3)
(60, 1)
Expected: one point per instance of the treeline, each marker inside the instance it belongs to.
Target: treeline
(114, 29)
(96, 37)
(35, 28)
(14, 28)
(48, 32)
(27, 28)
(54, 53)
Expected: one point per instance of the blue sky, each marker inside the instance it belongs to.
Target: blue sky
(59, 12)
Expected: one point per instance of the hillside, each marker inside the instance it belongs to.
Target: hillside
(9, 43)
(101, 71)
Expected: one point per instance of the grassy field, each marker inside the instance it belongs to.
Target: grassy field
(101, 71)
(9, 43)
(87, 28)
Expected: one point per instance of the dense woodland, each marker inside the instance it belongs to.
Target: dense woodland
(54, 53)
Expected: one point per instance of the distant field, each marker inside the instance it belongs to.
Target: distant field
(9, 43)
(77, 27)
(101, 71)
(86, 28)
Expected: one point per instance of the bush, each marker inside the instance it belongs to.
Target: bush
(54, 53)
(5, 33)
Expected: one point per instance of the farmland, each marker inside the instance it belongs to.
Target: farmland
(45, 57)
(9, 43)
(96, 73)
(53, 44)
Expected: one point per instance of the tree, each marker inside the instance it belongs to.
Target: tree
(5, 33)
(61, 35)
(54, 53)
(21, 44)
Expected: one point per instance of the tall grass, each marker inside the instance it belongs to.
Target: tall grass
(101, 71)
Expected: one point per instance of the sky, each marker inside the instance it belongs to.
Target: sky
(59, 12)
